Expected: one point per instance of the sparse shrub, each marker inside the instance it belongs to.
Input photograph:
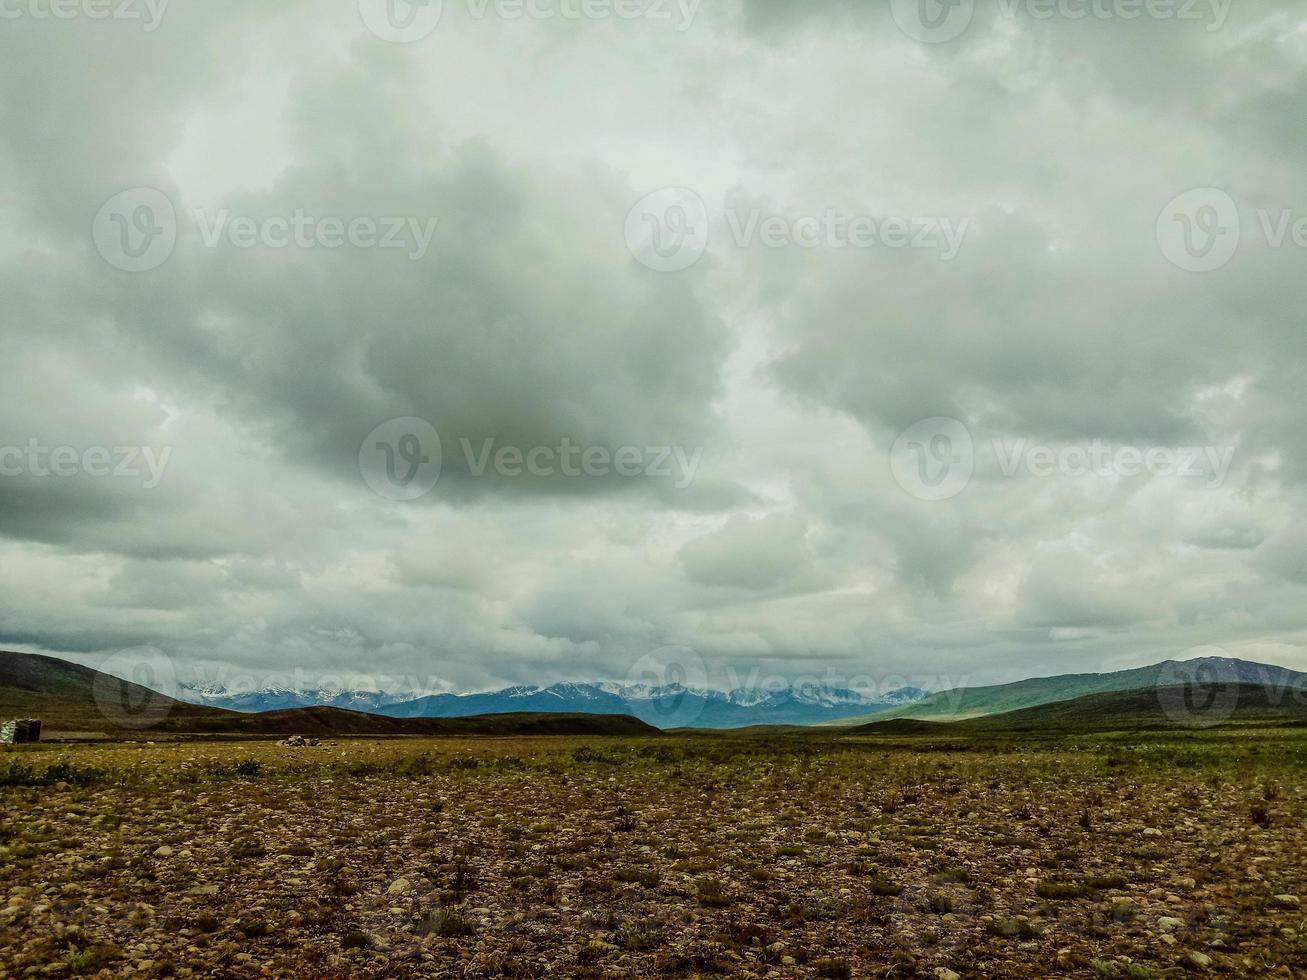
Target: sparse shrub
(644, 876)
(829, 966)
(1060, 890)
(637, 937)
(1106, 882)
(711, 893)
(88, 960)
(448, 923)
(938, 902)
(1014, 928)
(248, 848)
(345, 885)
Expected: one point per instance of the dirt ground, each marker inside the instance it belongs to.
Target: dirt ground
(1113, 856)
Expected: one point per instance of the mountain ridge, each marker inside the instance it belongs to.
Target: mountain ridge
(1186, 706)
(70, 697)
(704, 707)
(960, 704)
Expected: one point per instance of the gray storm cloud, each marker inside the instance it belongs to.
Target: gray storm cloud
(253, 362)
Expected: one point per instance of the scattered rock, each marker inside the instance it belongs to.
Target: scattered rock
(1199, 960)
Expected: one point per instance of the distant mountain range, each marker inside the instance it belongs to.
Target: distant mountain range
(960, 704)
(1195, 693)
(72, 699)
(668, 706)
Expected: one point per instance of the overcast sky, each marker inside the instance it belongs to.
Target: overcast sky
(861, 340)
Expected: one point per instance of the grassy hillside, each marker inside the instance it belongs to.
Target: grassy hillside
(970, 702)
(70, 698)
(1189, 706)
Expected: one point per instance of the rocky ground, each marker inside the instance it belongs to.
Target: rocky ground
(1130, 858)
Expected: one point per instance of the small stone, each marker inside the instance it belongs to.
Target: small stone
(788, 961)
(1152, 832)
(944, 973)
(1201, 960)
(1169, 923)
(163, 852)
(1287, 901)
(399, 887)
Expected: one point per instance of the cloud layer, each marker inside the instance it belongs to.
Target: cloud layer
(707, 424)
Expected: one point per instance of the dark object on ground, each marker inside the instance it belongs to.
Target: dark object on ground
(23, 731)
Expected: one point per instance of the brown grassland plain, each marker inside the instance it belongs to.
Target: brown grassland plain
(1110, 856)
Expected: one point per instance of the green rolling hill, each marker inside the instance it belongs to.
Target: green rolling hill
(972, 702)
(1181, 707)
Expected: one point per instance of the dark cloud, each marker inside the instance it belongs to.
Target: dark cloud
(780, 538)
